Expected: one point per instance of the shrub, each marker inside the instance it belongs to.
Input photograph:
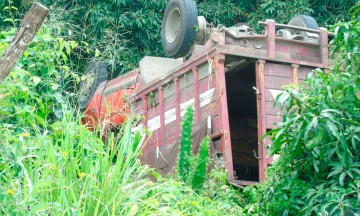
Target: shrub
(192, 168)
(318, 170)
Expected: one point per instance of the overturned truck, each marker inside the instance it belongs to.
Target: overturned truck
(230, 76)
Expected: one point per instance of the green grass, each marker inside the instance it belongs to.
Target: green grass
(70, 171)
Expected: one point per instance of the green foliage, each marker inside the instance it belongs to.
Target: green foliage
(318, 171)
(118, 32)
(63, 171)
(38, 79)
(121, 32)
(278, 10)
(185, 144)
(9, 14)
(195, 175)
(331, 12)
(200, 170)
(281, 194)
(50, 164)
(226, 12)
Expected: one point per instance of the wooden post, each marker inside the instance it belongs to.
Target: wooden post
(29, 26)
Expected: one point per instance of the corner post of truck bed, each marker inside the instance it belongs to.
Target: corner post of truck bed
(219, 67)
(270, 40)
(260, 80)
(324, 46)
(295, 74)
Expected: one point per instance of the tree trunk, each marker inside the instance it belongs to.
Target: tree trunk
(29, 26)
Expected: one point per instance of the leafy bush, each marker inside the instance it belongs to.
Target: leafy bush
(319, 167)
(185, 145)
(201, 165)
(34, 92)
(193, 170)
(278, 10)
(187, 171)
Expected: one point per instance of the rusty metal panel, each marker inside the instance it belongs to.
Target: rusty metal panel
(303, 71)
(271, 120)
(171, 131)
(204, 70)
(170, 102)
(187, 79)
(278, 70)
(298, 49)
(276, 76)
(169, 89)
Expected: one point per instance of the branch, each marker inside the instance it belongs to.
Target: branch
(29, 26)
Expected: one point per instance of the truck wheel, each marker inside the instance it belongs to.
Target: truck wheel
(302, 21)
(178, 29)
(94, 74)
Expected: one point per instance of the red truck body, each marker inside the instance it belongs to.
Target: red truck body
(231, 83)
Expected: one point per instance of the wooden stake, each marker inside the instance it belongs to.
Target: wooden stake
(29, 26)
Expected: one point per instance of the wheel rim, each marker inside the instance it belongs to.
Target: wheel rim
(172, 27)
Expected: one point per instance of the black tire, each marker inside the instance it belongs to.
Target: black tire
(302, 21)
(94, 75)
(178, 29)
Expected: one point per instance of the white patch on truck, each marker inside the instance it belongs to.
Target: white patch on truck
(185, 105)
(170, 116)
(205, 98)
(136, 128)
(154, 123)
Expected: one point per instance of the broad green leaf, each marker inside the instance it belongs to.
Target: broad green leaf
(334, 130)
(341, 178)
(315, 140)
(311, 125)
(276, 145)
(349, 173)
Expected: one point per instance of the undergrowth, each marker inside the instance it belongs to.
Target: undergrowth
(192, 168)
(50, 164)
(318, 172)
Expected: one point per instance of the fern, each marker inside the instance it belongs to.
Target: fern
(185, 144)
(200, 170)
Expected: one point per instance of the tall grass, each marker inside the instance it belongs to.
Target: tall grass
(70, 171)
